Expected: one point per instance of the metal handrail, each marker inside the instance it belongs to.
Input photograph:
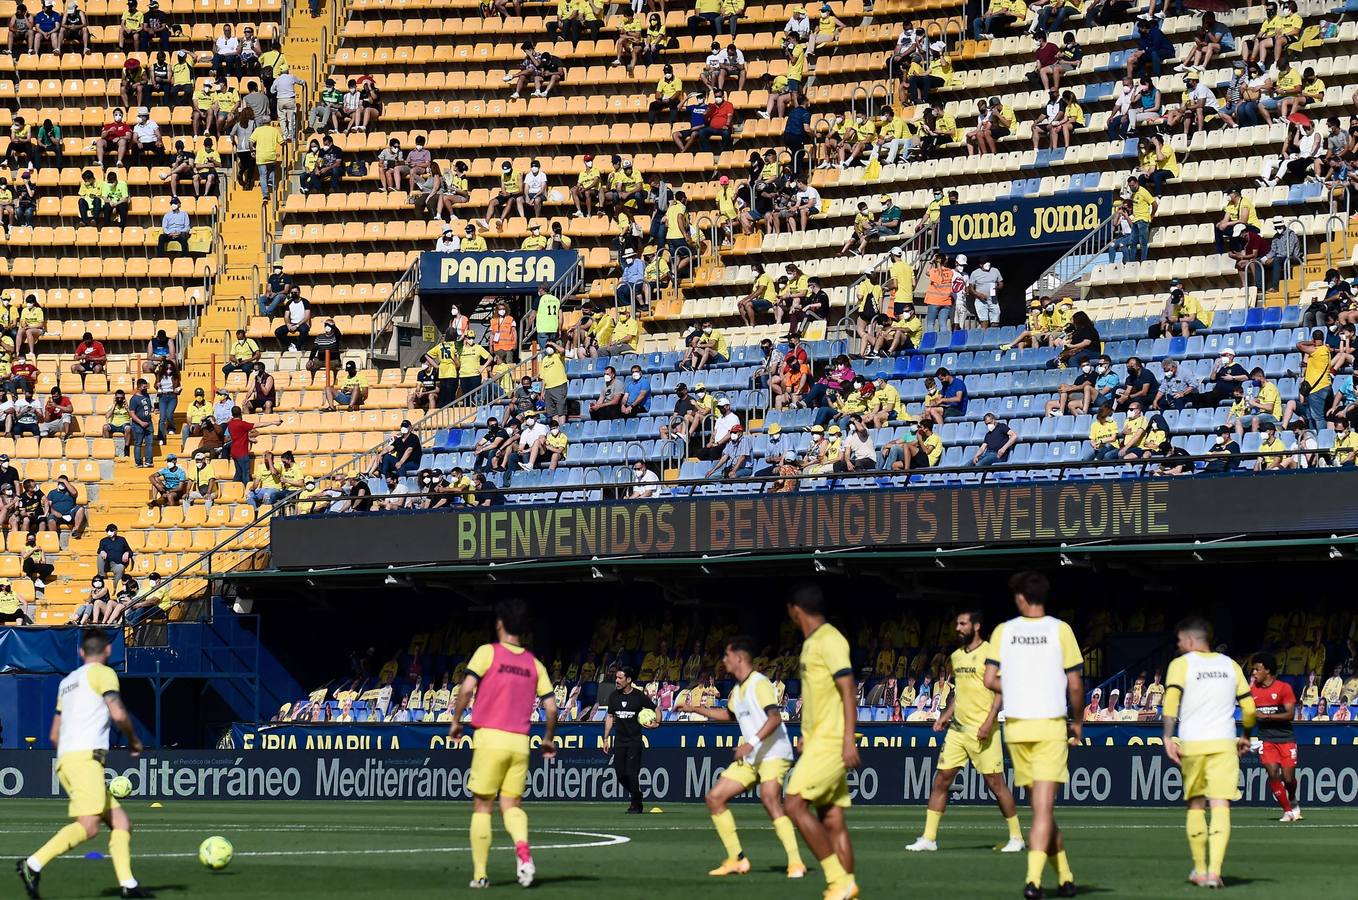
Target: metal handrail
(1062, 469)
(1071, 264)
(1329, 237)
(385, 317)
(923, 243)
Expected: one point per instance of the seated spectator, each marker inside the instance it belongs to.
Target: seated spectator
(1226, 377)
(296, 327)
(1140, 386)
(924, 451)
(402, 457)
(118, 419)
(1281, 27)
(721, 431)
(1152, 47)
(999, 439)
(57, 415)
(169, 484)
(263, 393)
(1176, 391)
(267, 486)
(199, 411)
(12, 609)
(27, 415)
(998, 18)
(1210, 40)
(202, 485)
(550, 447)
(736, 456)
(63, 509)
(1104, 440)
(608, 405)
(1302, 154)
(858, 453)
(1142, 435)
(113, 555)
(351, 391)
(1082, 342)
(243, 355)
(1273, 450)
(425, 394)
(1284, 253)
(175, 228)
(90, 358)
(94, 609)
(325, 349)
(1247, 248)
(636, 395)
(1184, 315)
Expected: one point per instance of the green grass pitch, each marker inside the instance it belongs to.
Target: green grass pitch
(418, 850)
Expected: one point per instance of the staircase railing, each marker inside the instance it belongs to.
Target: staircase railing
(563, 289)
(923, 244)
(384, 320)
(1073, 263)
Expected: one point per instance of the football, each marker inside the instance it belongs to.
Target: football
(120, 786)
(646, 717)
(215, 852)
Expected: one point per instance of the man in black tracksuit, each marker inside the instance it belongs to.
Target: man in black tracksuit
(622, 733)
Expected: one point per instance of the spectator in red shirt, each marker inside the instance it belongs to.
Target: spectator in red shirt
(90, 358)
(23, 375)
(115, 136)
(1047, 56)
(1247, 247)
(720, 114)
(56, 415)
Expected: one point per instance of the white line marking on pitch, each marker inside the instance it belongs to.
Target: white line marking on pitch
(605, 840)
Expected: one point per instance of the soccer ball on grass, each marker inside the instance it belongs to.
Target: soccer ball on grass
(215, 852)
(120, 787)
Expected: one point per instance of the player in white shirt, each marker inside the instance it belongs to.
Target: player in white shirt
(763, 758)
(88, 701)
(1202, 689)
(1037, 669)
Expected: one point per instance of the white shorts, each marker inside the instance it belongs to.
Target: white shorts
(988, 311)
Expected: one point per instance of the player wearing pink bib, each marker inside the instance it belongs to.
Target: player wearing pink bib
(507, 681)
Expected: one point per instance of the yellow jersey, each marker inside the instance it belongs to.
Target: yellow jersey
(972, 699)
(824, 658)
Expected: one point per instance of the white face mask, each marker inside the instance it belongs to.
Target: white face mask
(556, 429)
(608, 376)
(548, 352)
(1133, 413)
(636, 376)
(1086, 368)
(985, 266)
(990, 426)
(405, 431)
(1103, 370)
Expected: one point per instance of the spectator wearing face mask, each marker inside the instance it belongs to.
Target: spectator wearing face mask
(64, 509)
(1140, 386)
(113, 554)
(325, 349)
(351, 391)
(403, 456)
(554, 381)
(1176, 389)
(608, 405)
(636, 394)
(169, 484)
(489, 444)
(1226, 376)
(201, 483)
(1104, 441)
(550, 447)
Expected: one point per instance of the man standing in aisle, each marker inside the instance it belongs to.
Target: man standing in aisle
(88, 702)
(1201, 691)
(508, 681)
(763, 758)
(970, 720)
(818, 791)
(1036, 667)
(1276, 743)
(622, 733)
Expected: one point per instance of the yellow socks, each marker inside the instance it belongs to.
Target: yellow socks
(1037, 861)
(1197, 838)
(1015, 832)
(516, 823)
(1062, 866)
(480, 837)
(1218, 836)
(931, 820)
(787, 836)
(834, 870)
(73, 835)
(120, 849)
(725, 823)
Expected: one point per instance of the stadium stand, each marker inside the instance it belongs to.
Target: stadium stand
(440, 74)
(902, 666)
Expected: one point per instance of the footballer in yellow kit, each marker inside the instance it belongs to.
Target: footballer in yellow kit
(88, 703)
(763, 758)
(1036, 667)
(1202, 690)
(818, 790)
(970, 718)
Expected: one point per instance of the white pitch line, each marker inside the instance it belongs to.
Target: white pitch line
(606, 840)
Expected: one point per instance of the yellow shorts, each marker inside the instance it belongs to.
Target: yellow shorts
(503, 772)
(1043, 760)
(1215, 776)
(747, 775)
(820, 779)
(961, 746)
(82, 777)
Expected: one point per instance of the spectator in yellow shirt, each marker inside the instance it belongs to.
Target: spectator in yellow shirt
(1273, 446)
(669, 91)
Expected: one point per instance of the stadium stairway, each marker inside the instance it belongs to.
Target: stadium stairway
(248, 224)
